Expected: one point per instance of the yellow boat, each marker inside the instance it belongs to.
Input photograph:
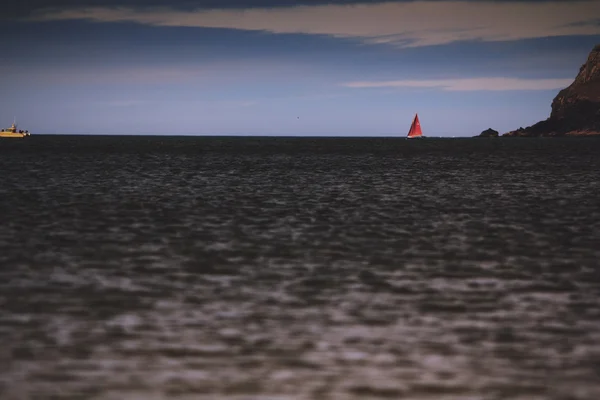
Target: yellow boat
(13, 132)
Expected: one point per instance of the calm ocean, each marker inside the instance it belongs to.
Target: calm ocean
(299, 268)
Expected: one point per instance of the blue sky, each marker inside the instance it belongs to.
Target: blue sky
(335, 68)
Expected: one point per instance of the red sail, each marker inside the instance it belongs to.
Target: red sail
(415, 128)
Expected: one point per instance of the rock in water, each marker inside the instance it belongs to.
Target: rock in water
(488, 133)
(576, 109)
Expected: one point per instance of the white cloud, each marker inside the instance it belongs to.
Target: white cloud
(469, 84)
(410, 24)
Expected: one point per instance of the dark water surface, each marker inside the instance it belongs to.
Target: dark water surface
(279, 269)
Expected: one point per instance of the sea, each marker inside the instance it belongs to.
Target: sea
(271, 268)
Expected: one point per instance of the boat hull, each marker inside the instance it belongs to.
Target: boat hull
(13, 135)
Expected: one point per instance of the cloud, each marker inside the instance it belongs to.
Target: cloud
(469, 84)
(411, 24)
(205, 73)
(108, 75)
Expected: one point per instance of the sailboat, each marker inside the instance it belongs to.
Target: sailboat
(415, 129)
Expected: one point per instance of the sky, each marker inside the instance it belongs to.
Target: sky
(289, 68)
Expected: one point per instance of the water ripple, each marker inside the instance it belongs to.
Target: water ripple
(211, 268)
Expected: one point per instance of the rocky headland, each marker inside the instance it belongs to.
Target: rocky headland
(488, 133)
(576, 109)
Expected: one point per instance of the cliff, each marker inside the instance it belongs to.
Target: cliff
(576, 109)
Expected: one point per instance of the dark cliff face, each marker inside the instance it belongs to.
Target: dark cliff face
(576, 109)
